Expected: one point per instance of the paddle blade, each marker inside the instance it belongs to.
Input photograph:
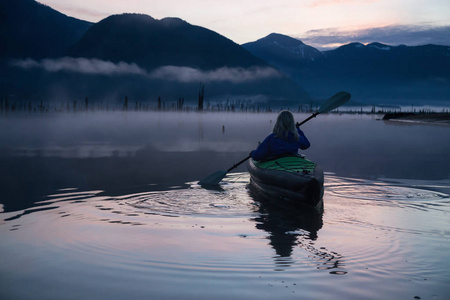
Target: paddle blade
(213, 179)
(334, 102)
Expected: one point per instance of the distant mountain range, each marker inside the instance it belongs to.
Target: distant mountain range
(45, 56)
(128, 55)
(374, 72)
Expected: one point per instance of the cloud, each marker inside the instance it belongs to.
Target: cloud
(411, 35)
(81, 65)
(233, 75)
(171, 73)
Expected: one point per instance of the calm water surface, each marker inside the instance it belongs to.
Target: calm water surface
(107, 206)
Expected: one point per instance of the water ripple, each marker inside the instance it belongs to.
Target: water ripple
(230, 200)
(227, 231)
(379, 191)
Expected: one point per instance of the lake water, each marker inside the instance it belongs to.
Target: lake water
(106, 206)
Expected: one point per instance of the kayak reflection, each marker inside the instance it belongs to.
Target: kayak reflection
(286, 227)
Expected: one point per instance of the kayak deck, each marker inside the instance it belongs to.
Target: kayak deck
(288, 164)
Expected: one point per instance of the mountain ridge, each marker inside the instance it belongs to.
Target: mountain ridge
(153, 43)
(143, 58)
(371, 71)
(29, 29)
(143, 45)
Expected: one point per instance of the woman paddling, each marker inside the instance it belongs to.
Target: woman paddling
(285, 140)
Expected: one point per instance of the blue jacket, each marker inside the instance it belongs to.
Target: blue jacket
(273, 146)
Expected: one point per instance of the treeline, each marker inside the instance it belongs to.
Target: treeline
(86, 105)
(390, 110)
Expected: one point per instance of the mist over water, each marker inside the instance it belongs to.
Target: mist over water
(142, 148)
(106, 205)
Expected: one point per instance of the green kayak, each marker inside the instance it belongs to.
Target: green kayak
(288, 181)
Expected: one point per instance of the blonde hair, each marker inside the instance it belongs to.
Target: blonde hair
(285, 124)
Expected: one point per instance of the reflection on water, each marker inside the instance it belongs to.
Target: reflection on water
(186, 241)
(116, 151)
(288, 229)
(107, 206)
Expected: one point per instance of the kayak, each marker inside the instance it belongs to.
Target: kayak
(291, 181)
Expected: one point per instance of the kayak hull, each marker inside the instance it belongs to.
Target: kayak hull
(288, 182)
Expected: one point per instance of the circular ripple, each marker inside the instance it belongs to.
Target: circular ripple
(377, 191)
(229, 200)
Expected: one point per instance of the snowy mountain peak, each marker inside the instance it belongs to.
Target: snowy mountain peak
(380, 46)
(283, 45)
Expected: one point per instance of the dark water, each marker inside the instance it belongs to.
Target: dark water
(107, 206)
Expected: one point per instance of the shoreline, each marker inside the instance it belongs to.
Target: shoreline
(437, 118)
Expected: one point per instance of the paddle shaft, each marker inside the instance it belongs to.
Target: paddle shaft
(239, 163)
(303, 122)
(332, 103)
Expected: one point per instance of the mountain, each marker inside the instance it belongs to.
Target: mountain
(153, 43)
(190, 54)
(373, 73)
(141, 58)
(29, 29)
(283, 52)
(395, 62)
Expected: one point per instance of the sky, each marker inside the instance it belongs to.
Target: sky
(324, 24)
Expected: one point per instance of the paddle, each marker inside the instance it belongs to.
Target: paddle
(332, 103)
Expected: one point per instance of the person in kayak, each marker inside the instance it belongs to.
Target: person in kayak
(285, 140)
